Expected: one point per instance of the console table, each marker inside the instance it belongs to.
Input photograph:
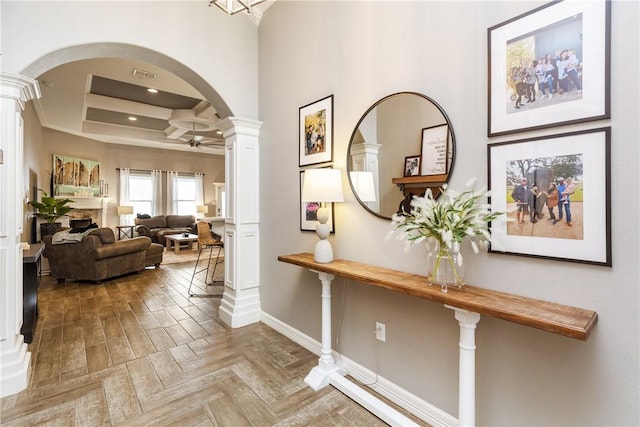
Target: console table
(30, 278)
(468, 303)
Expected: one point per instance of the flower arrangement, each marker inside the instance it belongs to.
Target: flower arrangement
(449, 220)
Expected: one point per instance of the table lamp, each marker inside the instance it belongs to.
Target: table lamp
(322, 185)
(202, 209)
(125, 211)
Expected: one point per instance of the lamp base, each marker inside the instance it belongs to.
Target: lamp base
(323, 252)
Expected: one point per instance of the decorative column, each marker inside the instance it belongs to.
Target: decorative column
(240, 303)
(364, 157)
(15, 91)
(467, 320)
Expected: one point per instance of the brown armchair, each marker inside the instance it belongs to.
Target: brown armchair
(98, 256)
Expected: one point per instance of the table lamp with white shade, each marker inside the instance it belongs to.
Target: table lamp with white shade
(322, 185)
(202, 209)
(125, 211)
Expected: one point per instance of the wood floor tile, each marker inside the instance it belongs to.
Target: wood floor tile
(137, 351)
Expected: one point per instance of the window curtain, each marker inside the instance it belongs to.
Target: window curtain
(172, 189)
(124, 186)
(156, 183)
(199, 189)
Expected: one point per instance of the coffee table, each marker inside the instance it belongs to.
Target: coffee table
(177, 239)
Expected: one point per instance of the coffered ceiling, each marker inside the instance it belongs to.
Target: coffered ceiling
(121, 101)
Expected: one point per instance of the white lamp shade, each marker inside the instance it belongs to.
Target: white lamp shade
(362, 182)
(202, 209)
(322, 185)
(125, 210)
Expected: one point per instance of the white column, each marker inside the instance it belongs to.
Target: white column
(467, 320)
(240, 303)
(15, 91)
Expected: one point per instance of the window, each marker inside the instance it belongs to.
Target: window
(186, 200)
(141, 193)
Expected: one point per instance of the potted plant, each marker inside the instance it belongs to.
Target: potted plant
(50, 209)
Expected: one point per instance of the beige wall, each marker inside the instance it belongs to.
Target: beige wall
(362, 51)
(42, 143)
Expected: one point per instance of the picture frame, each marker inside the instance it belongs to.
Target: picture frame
(435, 149)
(411, 166)
(551, 161)
(72, 175)
(308, 216)
(576, 38)
(315, 132)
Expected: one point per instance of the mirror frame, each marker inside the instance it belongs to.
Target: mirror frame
(355, 130)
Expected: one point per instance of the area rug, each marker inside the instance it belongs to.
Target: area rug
(188, 255)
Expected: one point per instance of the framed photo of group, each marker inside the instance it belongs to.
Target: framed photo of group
(555, 191)
(315, 132)
(549, 67)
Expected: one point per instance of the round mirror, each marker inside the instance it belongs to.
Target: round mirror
(402, 145)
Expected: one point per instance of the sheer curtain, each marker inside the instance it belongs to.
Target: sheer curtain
(156, 187)
(199, 188)
(124, 187)
(172, 189)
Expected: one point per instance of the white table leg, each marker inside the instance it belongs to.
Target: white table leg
(467, 320)
(319, 376)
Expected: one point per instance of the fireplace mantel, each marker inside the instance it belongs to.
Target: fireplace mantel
(93, 203)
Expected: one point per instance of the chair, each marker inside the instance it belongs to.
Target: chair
(206, 241)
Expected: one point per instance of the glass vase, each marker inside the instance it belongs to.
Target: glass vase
(445, 267)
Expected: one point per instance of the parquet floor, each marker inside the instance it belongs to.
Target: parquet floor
(134, 351)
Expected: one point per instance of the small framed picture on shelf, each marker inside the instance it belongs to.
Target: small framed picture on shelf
(435, 147)
(412, 166)
(556, 192)
(549, 67)
(315, 133)
(309, 212)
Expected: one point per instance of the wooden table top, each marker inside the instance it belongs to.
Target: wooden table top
(559, 319)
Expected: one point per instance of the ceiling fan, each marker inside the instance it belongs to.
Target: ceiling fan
(186, 119)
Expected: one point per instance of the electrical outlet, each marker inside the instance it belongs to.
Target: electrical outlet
(381, 334)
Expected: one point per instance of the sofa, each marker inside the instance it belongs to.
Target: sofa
(96, 257)
(159, 226)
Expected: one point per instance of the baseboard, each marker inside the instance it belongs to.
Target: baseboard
(409, 402)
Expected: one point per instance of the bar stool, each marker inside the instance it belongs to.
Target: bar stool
(206, 241)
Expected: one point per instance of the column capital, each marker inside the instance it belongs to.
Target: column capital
(19, 88)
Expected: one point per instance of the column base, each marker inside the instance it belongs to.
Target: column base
(15, 367)
(237, 312)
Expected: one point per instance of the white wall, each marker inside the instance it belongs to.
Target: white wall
(187, 31)
(362, 51)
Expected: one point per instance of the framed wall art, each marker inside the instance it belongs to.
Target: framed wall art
(435, 143)
(549, 67)
(308, 212)
(412, 166)
(556, 193)
(72, 175)
(315, 132)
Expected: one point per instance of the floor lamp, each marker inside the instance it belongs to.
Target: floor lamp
(322, 185)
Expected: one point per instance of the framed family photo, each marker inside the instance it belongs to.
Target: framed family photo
(309, 212)
(315, 133)
(555, 191)
(412, 166)
(549, 67)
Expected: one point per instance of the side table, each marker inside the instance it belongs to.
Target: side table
(125, 231)
(30, 279)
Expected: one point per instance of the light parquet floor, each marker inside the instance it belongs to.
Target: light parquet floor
(134, 351)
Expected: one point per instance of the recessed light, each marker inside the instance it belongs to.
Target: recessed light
(133, 119)
(152, 90)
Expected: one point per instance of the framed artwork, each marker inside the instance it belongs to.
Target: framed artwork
(72, 175)
(315, 132)
(435, 142)
(412, 166)
(549, 67)
(556, 191)
(308, 212)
